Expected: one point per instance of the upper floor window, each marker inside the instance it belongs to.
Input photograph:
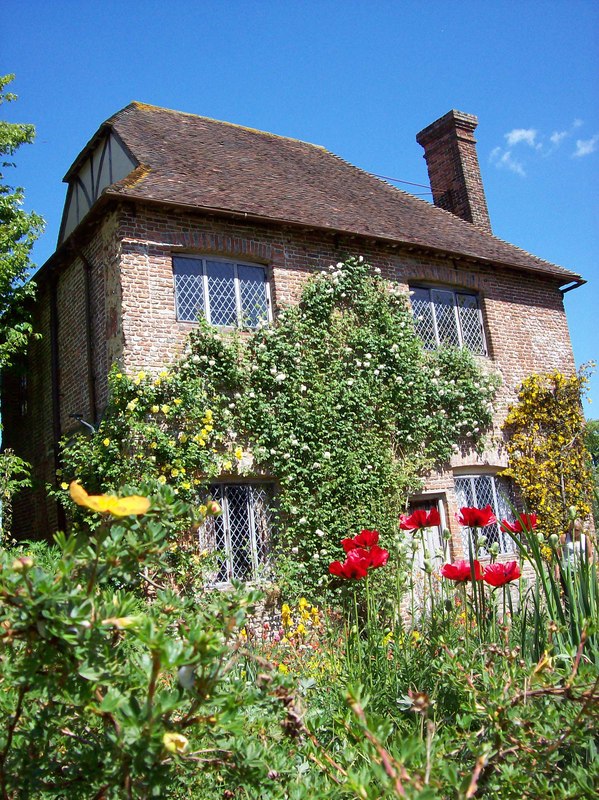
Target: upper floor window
(242, 533)
(225, 293)
(479, 491)
(444, 316)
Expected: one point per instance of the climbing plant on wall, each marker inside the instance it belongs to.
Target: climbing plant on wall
(548, 458)
(338, 402)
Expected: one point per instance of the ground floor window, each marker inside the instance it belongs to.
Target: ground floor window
(242, 533)
(483, 490)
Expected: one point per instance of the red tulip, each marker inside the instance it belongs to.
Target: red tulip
(525, 522)
(419, 519)
(476, 517)
(461, 571)
(500, 574)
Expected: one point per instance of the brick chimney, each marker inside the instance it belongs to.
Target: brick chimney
(453, 170)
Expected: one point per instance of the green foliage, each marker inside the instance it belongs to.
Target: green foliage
(592, 444)
(548, 459)
(104, 694)
(14, 476)
(18, 232)
(338, 401)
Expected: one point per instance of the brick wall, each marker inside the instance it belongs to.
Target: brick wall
(134, 320)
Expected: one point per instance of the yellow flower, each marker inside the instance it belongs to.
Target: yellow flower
(108, 503)
(64, 485)
(303, 603)
(165, 408)
(122, 623)
(119, 375)
(300, 630)
(155, 409)
(283, 668)
(238, 453)
(154, 445)
(186, 485)
(161, 479)
(106, 442)
(227, 466)
(207, 416)
(131, 405)
(174, 472)
(175, 743)
(177, 401)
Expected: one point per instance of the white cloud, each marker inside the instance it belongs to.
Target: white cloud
(557, 137)
(504, 159)
(518, 135)
(586, 146)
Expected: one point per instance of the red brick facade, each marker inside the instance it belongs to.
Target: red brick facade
(131, 320)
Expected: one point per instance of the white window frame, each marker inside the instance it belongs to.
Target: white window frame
(258, 556)
(455, 294)
(500, 509)
(203, 274)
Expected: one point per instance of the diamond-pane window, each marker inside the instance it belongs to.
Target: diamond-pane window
(242, 533)
(442, 316)
(225, 293)
(480, 491)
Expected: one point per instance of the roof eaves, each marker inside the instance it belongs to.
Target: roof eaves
(552, 270)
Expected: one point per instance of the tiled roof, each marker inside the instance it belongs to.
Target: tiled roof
(202, 163)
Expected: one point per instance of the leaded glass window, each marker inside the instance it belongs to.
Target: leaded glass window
(242, 533)
(443, 316)
(479, 491)
(225, 293)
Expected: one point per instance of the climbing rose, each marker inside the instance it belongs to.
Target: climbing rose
(460, 571)
(500, 574)
(525, 522)
(419, 519)
(476, 517)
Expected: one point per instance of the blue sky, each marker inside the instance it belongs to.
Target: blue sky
(360, 78)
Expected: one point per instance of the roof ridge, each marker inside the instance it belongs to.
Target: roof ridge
(149, 106)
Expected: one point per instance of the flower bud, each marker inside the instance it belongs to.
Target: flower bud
(481, 541)
(554, 540)
(175, 743)
(186, 677)
(540, 538)
(572, 513)
(213, 509)
(494, 549)
(446, 534)
(428, 566)
(22, 564)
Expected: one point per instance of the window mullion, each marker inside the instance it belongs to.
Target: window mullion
(237, 295)
(227, 532)
(252, 531)
(434, 318)
(458, 320)
(206, 297)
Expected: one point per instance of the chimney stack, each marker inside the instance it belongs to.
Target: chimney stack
(453, 170)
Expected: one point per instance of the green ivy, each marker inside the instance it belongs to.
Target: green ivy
(338, 401)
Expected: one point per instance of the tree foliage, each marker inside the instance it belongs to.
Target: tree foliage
(18, 231)
(548, 458)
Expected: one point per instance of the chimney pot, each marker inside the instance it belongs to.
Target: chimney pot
(453, 168)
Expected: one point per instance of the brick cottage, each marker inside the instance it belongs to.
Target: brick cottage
(169, 215)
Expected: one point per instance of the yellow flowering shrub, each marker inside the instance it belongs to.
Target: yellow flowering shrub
(547, 455)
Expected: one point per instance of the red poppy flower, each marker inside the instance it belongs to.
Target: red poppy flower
(378, 556)
(366, 538)
(419, 519)
(525, 522)
(460, 571)
(355, 567)
(500, 574)
(476, 517)
(363, 553)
